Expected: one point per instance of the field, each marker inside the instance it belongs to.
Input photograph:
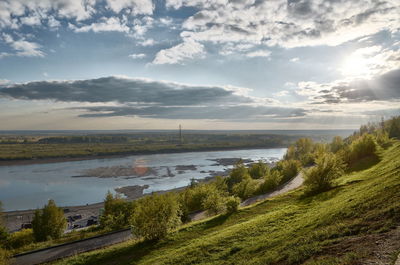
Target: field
(353, 223)
(28, 147)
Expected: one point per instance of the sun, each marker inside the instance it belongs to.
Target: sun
(361, 63)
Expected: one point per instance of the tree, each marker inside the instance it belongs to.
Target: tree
(3, 230)
(271, 181)
(321, 176)
(245, 188)
(214, 203)
(238, 173)
(336, 144)
(116, 213)
(258, 170)
(155, 216)
(288, 169)
(48, 223)
(232, 204)
(394, 129)
(362, 147)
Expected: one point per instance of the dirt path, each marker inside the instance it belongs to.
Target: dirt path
(291, 185)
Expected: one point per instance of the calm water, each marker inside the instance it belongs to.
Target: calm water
(30, 186)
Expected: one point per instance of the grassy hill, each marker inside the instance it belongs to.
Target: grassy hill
(355, 222)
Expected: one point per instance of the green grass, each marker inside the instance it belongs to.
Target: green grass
(334, 227)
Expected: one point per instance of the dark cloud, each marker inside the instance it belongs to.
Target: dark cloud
(245, 112)
(151, 99)
(123, 91)
(385, 87)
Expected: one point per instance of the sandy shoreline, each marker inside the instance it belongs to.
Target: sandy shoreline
(17, 162)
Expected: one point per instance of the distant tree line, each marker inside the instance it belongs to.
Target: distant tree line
(83, 139)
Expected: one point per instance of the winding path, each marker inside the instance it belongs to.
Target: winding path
(72, 248)
(291, 185)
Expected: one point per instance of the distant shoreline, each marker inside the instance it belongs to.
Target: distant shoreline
(16, 162)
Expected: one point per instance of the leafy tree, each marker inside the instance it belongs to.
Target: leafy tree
(362, 147)
(238, 173)
(336, 144)
(258, 170)
(394, 129)
(321, 176)
(116, 213)
(288, 169)
(48, 223)
(4, 257)
(232, 204)
(155, 216)
(214, 203)
(246, 187)
(3, 230)
(271, 181)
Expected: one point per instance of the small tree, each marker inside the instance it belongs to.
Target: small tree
(48, 223)
(155, 216)
(238, 173)
(232, 204)
(3, 230)
(258, 170)
(116, 213)
(321, 176)
(271, 181)
(288, 169)
(336, 144)
(214, 203)
(362, 147)
(245, 188)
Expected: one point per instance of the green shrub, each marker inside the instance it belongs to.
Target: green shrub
(302, 150)
(362, 147)
(321, 177)
(20, 238)
(117, 212)
(258, 170)
(232, 204)
(271, 181)
(214, 203)
(4, 257)
(238, 173)
(394, 127)
(336, 144)
(155, 215)
(288, 169)
(246, 188)
(48, 223)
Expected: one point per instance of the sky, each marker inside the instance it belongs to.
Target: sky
(205, 64)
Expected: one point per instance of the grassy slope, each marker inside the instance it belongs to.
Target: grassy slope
(335, 227)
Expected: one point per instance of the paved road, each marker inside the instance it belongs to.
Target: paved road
(72, 248)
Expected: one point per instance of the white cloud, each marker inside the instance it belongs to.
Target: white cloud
(33, 20)
(137, 56)
(188, 49)
(287, 23)
(105, 24)
(148, 42)
(281, 93)
(295, 59)
(134, 6)
(259, 53)
(23, 47)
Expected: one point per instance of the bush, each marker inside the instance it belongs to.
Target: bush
(321, 176)
(258, 170)
(4, 257)
(116, 213)
(246, 188)
(362, 147)
(238, 173)
(214, 203)
(302, 150)
(232, 204)
(288, 169)
(20, 239)
(155, 216)
(336, 144)
(271, 181)
(48, 223)
(3, 229)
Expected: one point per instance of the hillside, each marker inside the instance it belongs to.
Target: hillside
(354, 223)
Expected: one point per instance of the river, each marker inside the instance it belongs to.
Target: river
(80, 182)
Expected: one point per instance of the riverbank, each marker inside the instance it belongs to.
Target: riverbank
(16, 162)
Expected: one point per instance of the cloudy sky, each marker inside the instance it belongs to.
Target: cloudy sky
(205, 64)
